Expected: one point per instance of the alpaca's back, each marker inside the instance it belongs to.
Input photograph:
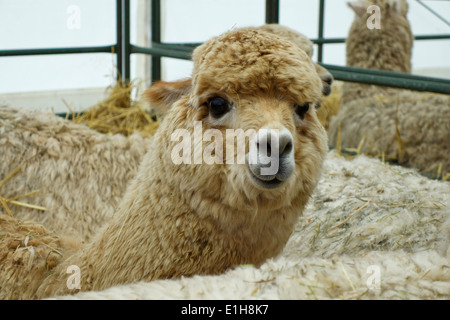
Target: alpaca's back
(80, 174)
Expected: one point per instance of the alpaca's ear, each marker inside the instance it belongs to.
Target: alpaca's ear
(358, 6)
(400, 6)
(161, 95)
(326, 77)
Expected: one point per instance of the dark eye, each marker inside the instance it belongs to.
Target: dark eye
(301, 110)
(218, 106)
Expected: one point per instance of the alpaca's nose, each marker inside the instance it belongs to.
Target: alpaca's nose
(280, 142)
(271, 157)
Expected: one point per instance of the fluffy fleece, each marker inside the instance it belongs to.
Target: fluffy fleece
(163, 94)
(81, 174)
(365, 217)
(388, 48)
(28, 251)
(412, 128)
(303, 43)
(189, 219)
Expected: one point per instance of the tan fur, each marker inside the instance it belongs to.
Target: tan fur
(81, 174)
(28, 253)
(388, 48)
(306, 45)
(203, 219)
(163, 94)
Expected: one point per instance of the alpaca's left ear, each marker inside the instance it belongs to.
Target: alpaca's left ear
(359, 7)
(162, 95)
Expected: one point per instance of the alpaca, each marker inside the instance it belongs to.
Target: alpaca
(81, 174)
(186, 219)
(388, 48)
(409, 127)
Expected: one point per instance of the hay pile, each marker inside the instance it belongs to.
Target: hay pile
(5, 202)
(119, 113)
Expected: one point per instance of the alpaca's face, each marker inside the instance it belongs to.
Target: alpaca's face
(252, 111)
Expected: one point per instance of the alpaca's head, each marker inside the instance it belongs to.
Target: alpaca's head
(247, 136)
(390, 9)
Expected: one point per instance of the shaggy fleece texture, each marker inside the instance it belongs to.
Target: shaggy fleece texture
(80, 173)
(412, 127)
(366, 219)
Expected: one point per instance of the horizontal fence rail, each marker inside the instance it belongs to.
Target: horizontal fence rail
(43, 51)
(123, 49)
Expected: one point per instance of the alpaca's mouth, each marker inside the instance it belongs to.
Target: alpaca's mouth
(265, 184)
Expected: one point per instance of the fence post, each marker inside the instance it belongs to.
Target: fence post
(156, 38)
(123, 45)
(272, 11)
(118, 46)
(321, 28)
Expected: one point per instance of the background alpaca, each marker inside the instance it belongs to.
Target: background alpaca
(81, 174)
(388, 48)
(203, 219)
(412, 128)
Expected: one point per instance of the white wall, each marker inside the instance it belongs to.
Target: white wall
(48, 23)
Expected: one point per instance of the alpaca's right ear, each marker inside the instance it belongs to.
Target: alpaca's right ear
(358, 6)
(161, 95)
(327, 79)
(400, 7)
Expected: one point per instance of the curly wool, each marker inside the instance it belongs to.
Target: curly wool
(411, 128)
(388, 48)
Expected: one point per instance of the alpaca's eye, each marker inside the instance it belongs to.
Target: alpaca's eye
(218, 107)
(301, 110)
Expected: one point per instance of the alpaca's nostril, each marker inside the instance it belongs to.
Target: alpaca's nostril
(280, 142)
(286, 143)
(287, 149)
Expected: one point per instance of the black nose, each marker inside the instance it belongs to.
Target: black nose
(283, 143)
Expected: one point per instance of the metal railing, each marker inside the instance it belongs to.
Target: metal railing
(123, 48)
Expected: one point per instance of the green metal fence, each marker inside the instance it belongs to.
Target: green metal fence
(123, 48)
